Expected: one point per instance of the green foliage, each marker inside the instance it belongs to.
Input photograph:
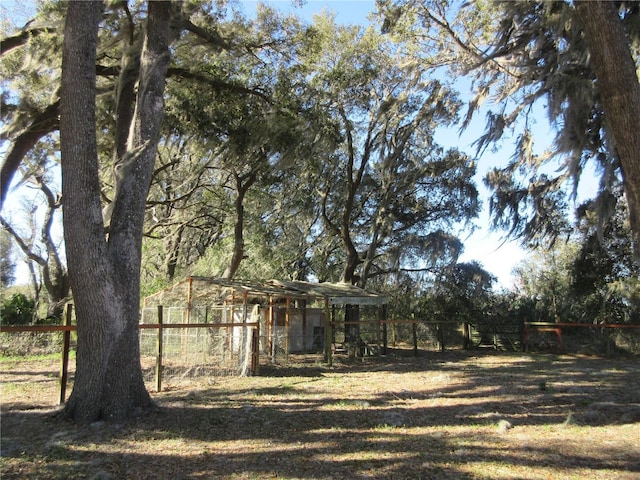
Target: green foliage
(388, 191)
(329, 131)
(605, 272)
(593, 278)
(7, 264)
(18, 310)
(545, 279)
(279, 130)
(462, 294)
(539, 54)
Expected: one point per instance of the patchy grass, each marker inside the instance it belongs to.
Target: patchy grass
(459, 415)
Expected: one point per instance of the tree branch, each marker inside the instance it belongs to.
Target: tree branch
(44, 123)
(9, 43)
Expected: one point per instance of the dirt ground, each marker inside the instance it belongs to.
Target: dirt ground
(458, 415)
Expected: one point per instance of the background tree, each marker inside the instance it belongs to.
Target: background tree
(17, 310)
(462, 293)
(605, 273)
(184, 213)
(545, 279)
(29, 66)
(7, 262)
(43, 249)
(389, 189)
(237, 136)
(29, 109)
(388, 194)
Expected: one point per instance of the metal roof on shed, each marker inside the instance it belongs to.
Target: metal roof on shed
(336, 293)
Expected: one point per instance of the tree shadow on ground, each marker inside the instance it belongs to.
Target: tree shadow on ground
(432, 418)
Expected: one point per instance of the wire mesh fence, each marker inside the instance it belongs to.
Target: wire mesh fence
(583, 338)
(179, 345)
(234, 339)
(439, 336)
(222, 345)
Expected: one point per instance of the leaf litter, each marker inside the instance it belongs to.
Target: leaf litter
(461, 415)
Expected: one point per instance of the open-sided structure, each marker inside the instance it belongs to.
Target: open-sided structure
(289, 316)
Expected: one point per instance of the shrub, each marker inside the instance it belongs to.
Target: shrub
(18, 310)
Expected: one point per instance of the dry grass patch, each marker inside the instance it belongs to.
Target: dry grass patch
(452, 415)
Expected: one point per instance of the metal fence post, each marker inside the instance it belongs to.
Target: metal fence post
(159, 352)
(64, 362)
(414, 331)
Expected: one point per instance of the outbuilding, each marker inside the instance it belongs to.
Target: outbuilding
(287, 316)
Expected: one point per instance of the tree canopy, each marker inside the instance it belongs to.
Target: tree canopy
(522, 54)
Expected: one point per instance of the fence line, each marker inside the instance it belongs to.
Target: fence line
(470, 330)
(532, 327)
(67, 328)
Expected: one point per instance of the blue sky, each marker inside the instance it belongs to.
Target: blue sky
(347, 11)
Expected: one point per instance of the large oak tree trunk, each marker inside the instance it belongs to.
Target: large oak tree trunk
(619, 89)
(105, 274)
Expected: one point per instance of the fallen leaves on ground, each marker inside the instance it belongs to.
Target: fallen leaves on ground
(440, 415)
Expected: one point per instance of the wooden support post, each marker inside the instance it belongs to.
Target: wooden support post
(303, 304)
(159, 352)
(440, 331)
(189, 298)
(383, 319)
(328, 335)
(228, 344)
(379, 336)
(414, 329)
(255, 350)
(243, 337)
(64, 361)
(287, 322)
(559, 334)
(187, 318)
(394, 331)
(271, 322)
(465, 336)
